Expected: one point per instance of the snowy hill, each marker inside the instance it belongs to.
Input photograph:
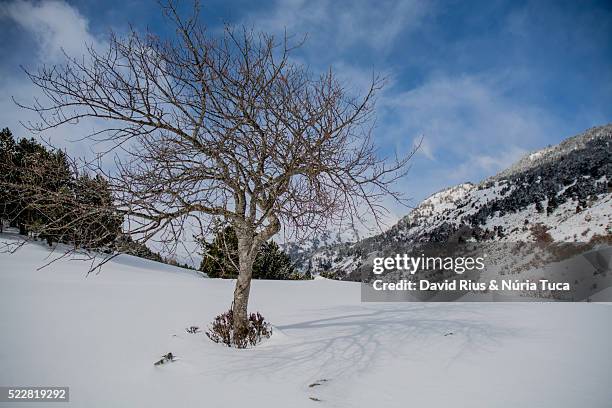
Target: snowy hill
(565, 189)
(100, 335)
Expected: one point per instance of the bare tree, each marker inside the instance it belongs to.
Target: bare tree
(229, 126)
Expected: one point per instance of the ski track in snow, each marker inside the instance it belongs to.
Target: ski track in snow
(100, 335)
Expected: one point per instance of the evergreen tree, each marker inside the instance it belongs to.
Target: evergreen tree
(552, 204)
(220, 258)
(27, 168)
(8, 151)
(272, 263)
(41, 194)
(126, 245)
(99, 224)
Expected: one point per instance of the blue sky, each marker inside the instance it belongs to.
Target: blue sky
(483, 81)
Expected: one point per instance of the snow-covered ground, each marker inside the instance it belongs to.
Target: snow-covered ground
(100, 335)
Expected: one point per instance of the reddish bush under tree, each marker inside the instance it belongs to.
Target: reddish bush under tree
(221, 330)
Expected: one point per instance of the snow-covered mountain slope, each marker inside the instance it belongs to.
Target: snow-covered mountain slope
(100, 335)
(565, 190)
(301, 250)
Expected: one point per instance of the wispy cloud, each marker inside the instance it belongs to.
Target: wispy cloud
(332, 26)
(472, 129)
(58, 29)
(466, 115)
(55, 25)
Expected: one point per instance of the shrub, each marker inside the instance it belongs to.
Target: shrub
(541, 235)
(221, 330)
(300, 276)
(329, 275)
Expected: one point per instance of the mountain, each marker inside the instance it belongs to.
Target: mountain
(561, 193)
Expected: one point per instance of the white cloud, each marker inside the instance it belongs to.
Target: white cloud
(488, 164)
(469, 116)
(333, 25)
(55, 26)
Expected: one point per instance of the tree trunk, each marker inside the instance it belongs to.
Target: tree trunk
(246, 257)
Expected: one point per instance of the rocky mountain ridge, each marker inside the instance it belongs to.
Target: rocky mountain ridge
(563, 193)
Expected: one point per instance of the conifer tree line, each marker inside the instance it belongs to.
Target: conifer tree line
(43, 194)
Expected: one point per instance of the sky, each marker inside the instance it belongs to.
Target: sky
(483, 82)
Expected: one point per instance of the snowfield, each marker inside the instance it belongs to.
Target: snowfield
(100, 335)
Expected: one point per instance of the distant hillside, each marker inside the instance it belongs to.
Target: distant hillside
(565, 191)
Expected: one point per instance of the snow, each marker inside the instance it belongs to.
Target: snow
(536, 155)
(440, 202)
(565, 225)
(101, 334)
